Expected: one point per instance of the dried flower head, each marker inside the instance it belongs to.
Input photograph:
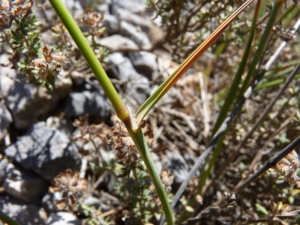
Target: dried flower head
(70, 186)
(94, 21)
(48, 67)
(278, 30)
(9, 10)
(96, 134)
(288, 167)
(283, 211)
(227, 200)
(55, 58)
(124, 146)
(167, 180)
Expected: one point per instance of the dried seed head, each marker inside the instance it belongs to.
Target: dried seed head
(288, 167)
(93, 19)
(38, 64)
(56, 58)
(147, 131)
(70, 186)
(124, 146)
(9, 10)
(5, 16)
(227, 200)
(96, 134)
(167, 180)
(60, 57)
(284, 34)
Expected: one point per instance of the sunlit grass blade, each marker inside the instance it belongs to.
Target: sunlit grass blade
(228, 102)
(172, 79)
(237, 78)
(260, 49)
(251, 73)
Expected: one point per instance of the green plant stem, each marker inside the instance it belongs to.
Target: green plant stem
(251, 73)
(229, 100)
(261, 48)
(237, 78)
(225, 108)
(287, 17)
(120, 108)
(6, 219)
(172, 79)
(139, 140)
(67, 19)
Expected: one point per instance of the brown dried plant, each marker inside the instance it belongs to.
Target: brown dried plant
(279, 31)
(167, 179)
(94, 21)
(124, 146)
(96, 134)
(71, 188)
(227, 201)
(288, 167)
(9, 10)
(48, 67)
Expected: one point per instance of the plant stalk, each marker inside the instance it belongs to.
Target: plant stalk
(122, 111)
(260, 49)
(237, 78)
(139, 140)
(7, 220)
(75, 32)
(172, 79)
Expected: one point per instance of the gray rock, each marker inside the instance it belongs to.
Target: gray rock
(60, 124)
(5, 121)
(90, 200)
(137, 86)
(142, 22)
(134, 6)
(44, 14)
(3, 164)
(95, 145)
(136, 35)
(21, 98)
(64, 218)
(47, 37)
(48, 204)
(177, 165)
(117, 42)
(145, 63)
(19, 183)
(91, 103)
(111, 23)
(45, 151)
(75, 8)
(10, 205)
(31, 214)
(121, 66)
